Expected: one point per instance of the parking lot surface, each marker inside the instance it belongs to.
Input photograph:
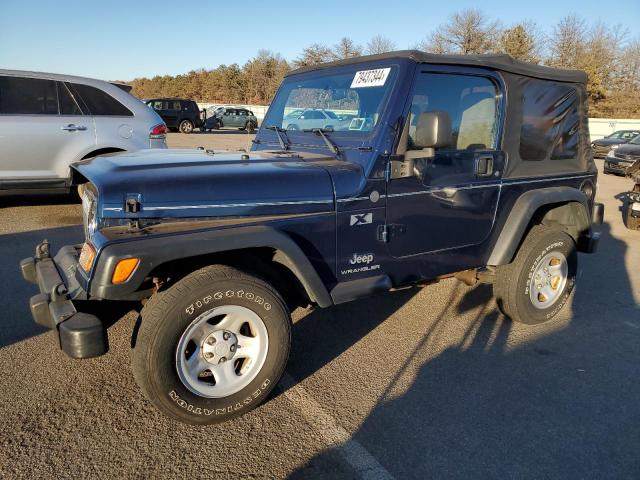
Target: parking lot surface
(421, 383)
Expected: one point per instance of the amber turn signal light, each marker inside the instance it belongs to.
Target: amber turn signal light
(87, 256)
(124, 269)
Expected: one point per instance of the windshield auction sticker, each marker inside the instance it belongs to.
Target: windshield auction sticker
(370, 78)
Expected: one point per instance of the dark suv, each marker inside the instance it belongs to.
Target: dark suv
(178, 114)
(436, 175)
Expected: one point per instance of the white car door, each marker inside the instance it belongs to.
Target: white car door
(42, 130)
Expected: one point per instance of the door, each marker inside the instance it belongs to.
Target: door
(114, 122)
(42, 130)
(231, 118)
(451, 199)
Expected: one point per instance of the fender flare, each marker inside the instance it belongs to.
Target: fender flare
(515, 227)
(155, 251)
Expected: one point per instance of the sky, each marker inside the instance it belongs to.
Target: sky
(122, 40)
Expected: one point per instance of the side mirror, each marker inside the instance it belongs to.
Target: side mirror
(433, 130)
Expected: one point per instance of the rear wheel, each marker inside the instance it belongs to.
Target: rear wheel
(537, 284)
(250, 126)
(213, 346)
(186, 126)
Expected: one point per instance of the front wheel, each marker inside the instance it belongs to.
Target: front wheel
(213, 346)
(537, 284)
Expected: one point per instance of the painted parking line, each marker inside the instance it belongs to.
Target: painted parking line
(358, 457)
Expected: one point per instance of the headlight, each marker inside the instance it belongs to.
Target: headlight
(611, 153)
(89, 211)
(613, 147)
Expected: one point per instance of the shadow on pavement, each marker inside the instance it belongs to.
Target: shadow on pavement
(564, 403)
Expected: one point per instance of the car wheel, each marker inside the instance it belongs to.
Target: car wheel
(186, 126)
(213, 346)
(293, 127)
(250, 127)
(537, 284)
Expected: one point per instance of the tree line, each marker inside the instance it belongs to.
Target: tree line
(607, 53)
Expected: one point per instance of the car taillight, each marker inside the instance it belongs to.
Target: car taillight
(159, 131)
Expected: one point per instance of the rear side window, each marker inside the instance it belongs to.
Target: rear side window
(175, 106)
(28, 96)
(550, 121)
(68, 105)
(101, 103)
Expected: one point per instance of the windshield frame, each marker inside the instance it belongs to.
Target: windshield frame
(343, 138)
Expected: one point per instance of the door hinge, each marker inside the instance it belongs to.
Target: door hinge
(388, 232)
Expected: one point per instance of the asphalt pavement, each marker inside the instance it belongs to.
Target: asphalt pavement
(421, 383)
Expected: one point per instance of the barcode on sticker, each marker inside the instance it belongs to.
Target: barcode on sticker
(370, 78)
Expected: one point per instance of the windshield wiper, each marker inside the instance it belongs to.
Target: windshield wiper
(284, 145)
(321, 131)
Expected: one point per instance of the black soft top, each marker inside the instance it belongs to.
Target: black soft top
(501, 62)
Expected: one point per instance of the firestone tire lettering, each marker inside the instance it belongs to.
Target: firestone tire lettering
(228, 294)
(219, 411)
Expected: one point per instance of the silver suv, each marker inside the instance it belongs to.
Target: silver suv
(48, 121)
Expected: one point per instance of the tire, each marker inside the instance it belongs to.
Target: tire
(186, 126)
(517, 292)
(251, 127)
(166, 360)
(293, 127)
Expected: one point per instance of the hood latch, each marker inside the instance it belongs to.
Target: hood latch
(133, 203)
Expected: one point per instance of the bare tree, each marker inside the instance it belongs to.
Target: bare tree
(313, 55)
(346, 48)
(522, 41)
(567, 42)
(468, 31)
(380, 44)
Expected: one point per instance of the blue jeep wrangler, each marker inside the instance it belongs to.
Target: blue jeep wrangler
(423, 167)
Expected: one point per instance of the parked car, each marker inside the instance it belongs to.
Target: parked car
(223, 246)
(602, 146)
(48, 121)
(312, 118)
(240, 118)
(179, 114)
(618, 160)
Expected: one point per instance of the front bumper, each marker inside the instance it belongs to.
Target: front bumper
(616, 166)
(80, 335)
(600, 150)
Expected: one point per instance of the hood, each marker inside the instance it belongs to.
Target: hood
(198, 183)
(631, 149)
(609, 141)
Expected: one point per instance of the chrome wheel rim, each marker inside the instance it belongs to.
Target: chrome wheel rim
(222, 351)
(186, 127)
(548, 280)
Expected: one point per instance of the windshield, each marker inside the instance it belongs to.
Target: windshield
(350, 102)
(615, 135)
(636, 140)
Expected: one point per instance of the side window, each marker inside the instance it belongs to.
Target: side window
(175, 106)
(68, 105)
(157, 105)
(469, 101)
(242, 112)
(28, 96)
(550, 121)
(101, 103)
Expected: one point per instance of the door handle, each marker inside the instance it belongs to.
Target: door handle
(72, 128)
(484, 165)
